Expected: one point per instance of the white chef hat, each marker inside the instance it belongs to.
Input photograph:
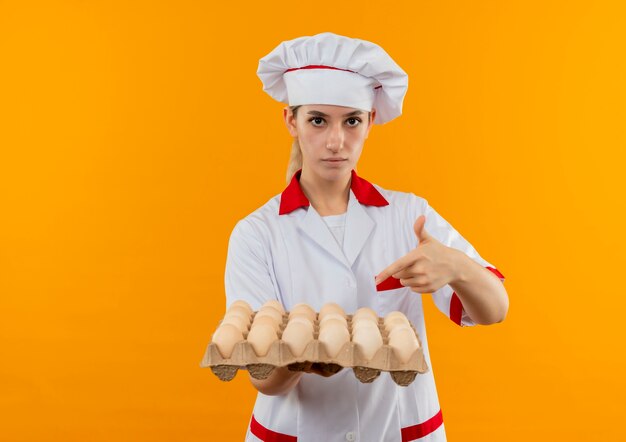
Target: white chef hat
(332, 69)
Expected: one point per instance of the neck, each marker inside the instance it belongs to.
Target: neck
(328, 197)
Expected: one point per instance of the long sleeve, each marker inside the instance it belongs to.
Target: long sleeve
(248, 274)
(445, 299)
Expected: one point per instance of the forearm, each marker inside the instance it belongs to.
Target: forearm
(280, 382)
(482, 294)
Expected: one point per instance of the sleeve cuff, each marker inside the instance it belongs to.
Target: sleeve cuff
(457, 313)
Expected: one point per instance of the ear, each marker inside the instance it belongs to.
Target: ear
(290, 121)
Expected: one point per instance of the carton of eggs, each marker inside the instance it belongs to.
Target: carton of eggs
(261, 340)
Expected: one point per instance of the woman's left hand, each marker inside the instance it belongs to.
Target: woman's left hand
(425, 269)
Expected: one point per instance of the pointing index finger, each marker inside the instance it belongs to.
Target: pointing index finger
(393, 268)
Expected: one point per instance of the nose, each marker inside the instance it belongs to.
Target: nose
(334, 142)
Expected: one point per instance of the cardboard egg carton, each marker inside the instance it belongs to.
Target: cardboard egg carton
(279, 355)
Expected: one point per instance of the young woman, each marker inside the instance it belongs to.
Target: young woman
(332, 236)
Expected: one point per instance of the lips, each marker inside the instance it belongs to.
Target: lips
(335, 160)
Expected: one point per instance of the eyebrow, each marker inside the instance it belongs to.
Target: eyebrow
(322, 114)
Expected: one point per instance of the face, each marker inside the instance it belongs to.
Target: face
(331, 137)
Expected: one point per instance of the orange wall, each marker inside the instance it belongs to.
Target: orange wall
(133, 135)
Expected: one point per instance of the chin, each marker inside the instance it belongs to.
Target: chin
(335, 173)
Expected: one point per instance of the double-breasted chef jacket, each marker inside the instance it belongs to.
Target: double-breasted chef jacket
(284, 250)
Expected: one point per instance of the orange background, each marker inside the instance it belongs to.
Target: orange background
(134, 135)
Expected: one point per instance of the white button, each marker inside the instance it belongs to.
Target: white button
(350, 436)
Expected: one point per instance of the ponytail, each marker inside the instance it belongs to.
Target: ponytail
(295, 157)
(295, 160)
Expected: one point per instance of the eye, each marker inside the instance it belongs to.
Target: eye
(316, 121)
(353, 122)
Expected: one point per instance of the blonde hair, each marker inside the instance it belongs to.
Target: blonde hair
(295, 157)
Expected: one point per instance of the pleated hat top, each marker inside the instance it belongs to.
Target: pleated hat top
(332, 69)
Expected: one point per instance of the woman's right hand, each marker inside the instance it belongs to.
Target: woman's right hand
(283, 379)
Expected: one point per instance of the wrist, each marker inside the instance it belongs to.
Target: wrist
(458, 263)
(280, 382)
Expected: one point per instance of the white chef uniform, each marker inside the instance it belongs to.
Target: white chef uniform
(285, 251)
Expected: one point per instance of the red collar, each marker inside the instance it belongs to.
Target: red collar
(293, 197)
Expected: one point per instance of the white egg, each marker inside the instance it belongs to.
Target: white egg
(393, 323)
(365, 312)
(302, 315)
(301, 320)
(394, 318)
(364, 323)
(274, 304)
(331, 307)
(400, 327)
(267, 320)
(297, 336)
(336, 316)
(271, 312)
(404, 343)
(333, 337)
(225, 338)
(261, 338)
(239, 311)
(369, 341)
(333, 322)
(240, 323)
(243, 304)
(303, 309)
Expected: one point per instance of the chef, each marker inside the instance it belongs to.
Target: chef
(333, 236)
